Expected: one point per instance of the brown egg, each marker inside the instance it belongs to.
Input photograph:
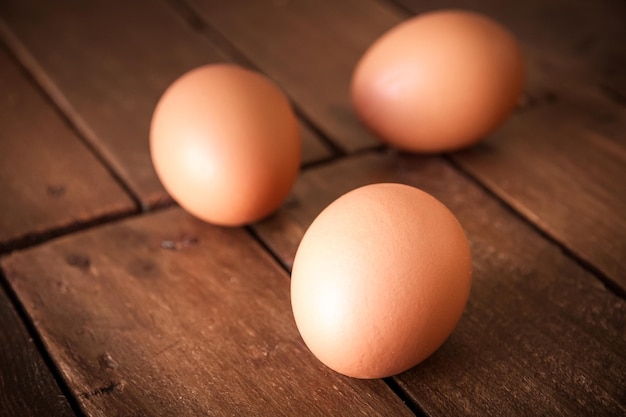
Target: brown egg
(225, 143)
(380, 280)
(438, 82)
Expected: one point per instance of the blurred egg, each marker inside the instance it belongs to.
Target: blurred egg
(380, 280)
(225, 144)
(439, 81)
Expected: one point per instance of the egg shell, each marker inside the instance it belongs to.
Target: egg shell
(225, 144)
(438, 82)
(380, 280)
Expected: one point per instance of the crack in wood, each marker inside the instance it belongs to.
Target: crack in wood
(106, 390)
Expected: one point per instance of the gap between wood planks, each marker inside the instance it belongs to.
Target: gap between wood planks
(42, 82)
(65, 109)
(39, 345)
(609, 92)
(393, 385)
(48, 90)
(189, 16)
(608, 283)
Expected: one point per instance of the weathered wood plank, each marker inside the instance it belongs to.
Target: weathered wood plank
(568, 125)
(165, 315)
(106, 63)
(540, 336)
(311, 47)
(561, 160)
(27, 388)
(553, 165)
(49, 180)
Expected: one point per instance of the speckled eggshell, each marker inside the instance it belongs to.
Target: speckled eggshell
(438, 82)
(225, 144)
(380, 280)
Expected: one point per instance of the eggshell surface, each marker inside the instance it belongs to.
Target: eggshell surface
(438, 82)
(380, 280)
(225, 144)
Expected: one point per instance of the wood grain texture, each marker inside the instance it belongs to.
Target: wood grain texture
(48, 179)
(165, 315)
(540, 335)
(106, 63)
(561, 159)
(572, 122)
(310, 47)
(27, 388)
(553, 164)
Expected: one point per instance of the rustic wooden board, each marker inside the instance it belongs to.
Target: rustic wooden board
(49, 181)
(540, 336)
(569, 123)
(561, 160)
(164, 315)
(311, 47)
(105, 64)
(554, 165)
(27, 387)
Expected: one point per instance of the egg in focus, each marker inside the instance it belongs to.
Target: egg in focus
(380, 280)
(438, 82)
(225, 144)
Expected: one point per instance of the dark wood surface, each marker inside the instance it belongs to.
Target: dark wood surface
(46, 173)
(570, 138)
(27, 387)
(146, 311)
(105, 65)
(310, 47)
(547, 328)
(139, 327)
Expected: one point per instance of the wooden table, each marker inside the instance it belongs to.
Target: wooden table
(115, 302)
